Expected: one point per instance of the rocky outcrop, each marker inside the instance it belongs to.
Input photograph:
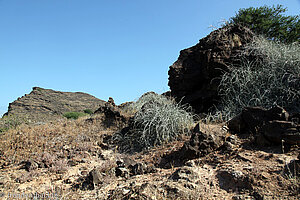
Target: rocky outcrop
(49, 103)
(273, 126)
(195, 76)
(201, 143)
(112, 114)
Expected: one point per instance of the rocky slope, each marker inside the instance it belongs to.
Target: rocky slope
(48, 103)
(194, 78)
(72, 159)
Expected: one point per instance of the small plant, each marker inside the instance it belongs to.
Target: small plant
(88, 111)
(74, 115)
(157, 120)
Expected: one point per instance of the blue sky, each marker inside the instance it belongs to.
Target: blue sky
(105, 48)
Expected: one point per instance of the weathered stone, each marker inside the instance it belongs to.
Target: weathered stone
(185, 173)
(269, 126)
(111, 101)
(230, 179)
(43, 104)
(194, 78)
(201, 144)
(112, 114)
(29, 165)
(122, 172)
(140, 168)
(281, 131)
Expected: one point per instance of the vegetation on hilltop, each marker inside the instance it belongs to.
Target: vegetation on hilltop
(270, 22)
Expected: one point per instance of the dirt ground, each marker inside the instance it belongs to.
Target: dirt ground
(71, 160)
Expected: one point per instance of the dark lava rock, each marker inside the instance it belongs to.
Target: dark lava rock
(141, 168)
(252, 117)
(234, 180)
(201, 144)
(112, 114)
(194, 78)
(122, 172)
(272, 125)
(29, 165)
(126, 167)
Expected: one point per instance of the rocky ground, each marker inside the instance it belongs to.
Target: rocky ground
(253, 156)
(74, 159)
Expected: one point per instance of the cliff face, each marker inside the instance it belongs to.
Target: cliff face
(49, 102)
(194, 78)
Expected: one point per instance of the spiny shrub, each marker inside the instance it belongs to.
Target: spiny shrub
(272, 78)
(157, 120)
(74, 115)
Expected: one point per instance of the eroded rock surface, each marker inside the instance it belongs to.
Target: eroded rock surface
(48, 103)
(195, 76)
(273, 126)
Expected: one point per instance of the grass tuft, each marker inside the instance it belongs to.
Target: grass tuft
(269, 75)
(157, 120)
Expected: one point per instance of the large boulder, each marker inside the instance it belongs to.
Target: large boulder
(194, 78)
(270, 126)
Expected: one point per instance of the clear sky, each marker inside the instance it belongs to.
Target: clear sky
(117, 48)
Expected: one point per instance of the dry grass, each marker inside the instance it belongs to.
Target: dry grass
(64, 137)
(157, 120)
(272, 78)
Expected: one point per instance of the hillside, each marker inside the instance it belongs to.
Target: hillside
(157, 148)
(74, 160)
(43, 104)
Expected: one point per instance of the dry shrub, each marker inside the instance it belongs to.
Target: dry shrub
(157, 120)
(269, 75)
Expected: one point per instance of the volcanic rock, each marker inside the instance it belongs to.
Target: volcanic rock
(201, 144)
(194, 78)
(112, 114)
(272, 124)
(50, 103)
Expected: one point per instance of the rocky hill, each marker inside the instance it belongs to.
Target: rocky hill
(49, 103)
(253, 156)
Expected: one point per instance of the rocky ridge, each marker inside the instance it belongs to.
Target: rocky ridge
(49, 103)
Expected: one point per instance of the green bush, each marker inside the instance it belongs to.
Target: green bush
(273, 78)
(74, 115)
(88, 111)
(270, 22)
(157, 120)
